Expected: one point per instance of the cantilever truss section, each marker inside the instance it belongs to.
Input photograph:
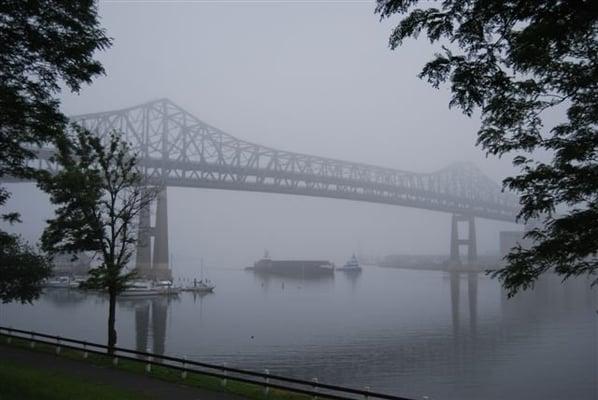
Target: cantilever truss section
(177, 149)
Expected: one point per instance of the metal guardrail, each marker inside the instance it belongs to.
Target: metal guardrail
(268, 381)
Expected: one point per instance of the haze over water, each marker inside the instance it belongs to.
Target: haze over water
(410, 333)
(317, 79)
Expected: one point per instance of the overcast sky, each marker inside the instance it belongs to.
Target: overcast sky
(300, 76)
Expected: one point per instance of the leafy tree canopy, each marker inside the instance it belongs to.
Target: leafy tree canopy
(516, 62)
(43, 44)
(21, 270)
(99, 193)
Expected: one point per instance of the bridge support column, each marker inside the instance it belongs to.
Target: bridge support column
(143, 257)
(154, 266)
(457, 242)
(161, 268)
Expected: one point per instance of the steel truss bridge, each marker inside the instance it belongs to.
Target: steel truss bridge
(178, 149)
(175, 148)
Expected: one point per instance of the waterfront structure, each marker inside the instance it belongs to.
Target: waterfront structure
(67, 265)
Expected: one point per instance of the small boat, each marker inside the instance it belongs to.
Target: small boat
(58, 282)
(149, 288)
(76, 283)
(351, 265)
(167, 287)
(140, 288)
(200, 286)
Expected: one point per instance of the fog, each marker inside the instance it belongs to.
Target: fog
(299, 76)
(316, 78)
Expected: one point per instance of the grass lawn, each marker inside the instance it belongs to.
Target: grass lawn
(19, 382)
(16, 381)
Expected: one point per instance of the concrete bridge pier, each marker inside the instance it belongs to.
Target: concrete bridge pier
(154, 265)
(143, 257)
(161, 268)
(469, 241)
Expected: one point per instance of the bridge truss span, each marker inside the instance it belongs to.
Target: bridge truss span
(177, 149)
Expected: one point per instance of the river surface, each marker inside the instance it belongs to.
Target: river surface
(405, 332)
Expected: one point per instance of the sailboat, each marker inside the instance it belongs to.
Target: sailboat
(201, 286)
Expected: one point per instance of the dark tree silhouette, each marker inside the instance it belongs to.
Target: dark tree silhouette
(21, 270)
(517, 61)
(42, 44)
(99, 194)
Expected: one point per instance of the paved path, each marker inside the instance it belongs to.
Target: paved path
(150, 387)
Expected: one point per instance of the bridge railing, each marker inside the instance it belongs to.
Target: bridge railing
(268, 381)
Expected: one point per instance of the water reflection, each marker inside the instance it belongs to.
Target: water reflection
(446, 335)
(299, 275)
(64, 297)
(472, 297)
(151, 315)
(287, 279)
(353, 277)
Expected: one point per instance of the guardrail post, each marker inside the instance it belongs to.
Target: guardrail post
(115, 361)
(223, 382)
(366, 396)
(266, 381)
(57, 345)
(85, 353)
(184, 373)
(148, 366)
(9, 337)
(32, 342)
(315, 387)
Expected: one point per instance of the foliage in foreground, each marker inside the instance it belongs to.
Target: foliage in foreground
(22, 270)
(522, 63)
(99, 193)
(43, 44)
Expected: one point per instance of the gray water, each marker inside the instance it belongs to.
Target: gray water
(410, 333)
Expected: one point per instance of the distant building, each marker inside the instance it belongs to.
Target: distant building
(65, 265)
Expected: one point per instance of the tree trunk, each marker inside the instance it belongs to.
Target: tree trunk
(111, 322)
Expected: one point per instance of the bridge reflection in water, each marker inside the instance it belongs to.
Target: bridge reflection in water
(472, 296)
(443, 334)
(542, 303)
(151, 316)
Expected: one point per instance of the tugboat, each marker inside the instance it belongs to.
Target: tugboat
(351, 265)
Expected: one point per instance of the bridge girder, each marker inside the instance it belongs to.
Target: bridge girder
(177, 149)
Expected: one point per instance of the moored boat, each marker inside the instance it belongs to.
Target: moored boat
(58, 282)
(299, 268)
(149, 288)
(200, 286)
